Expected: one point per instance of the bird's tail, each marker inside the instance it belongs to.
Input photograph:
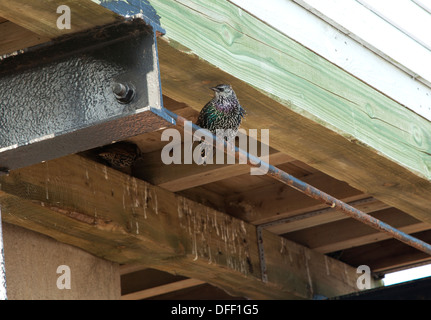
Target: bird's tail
(206, 151)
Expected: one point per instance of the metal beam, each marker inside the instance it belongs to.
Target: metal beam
(65, 97)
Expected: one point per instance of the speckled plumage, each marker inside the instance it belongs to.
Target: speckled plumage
(223, 112)
(120, 154)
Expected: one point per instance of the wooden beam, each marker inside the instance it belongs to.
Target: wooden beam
(367, 205)
(316, 112)
(205, 196)
(387, 254)
(41, 17)
(126, 220)
(167, 288)
(15, 37)
(278, 201)
(349, 233)
(185, 176)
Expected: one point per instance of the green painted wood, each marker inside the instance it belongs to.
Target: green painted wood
(234, 41)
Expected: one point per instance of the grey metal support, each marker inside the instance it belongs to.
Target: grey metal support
(67, 96)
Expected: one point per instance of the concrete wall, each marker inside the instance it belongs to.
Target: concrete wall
(32, 260)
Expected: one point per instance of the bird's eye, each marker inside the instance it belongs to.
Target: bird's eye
(221, 89)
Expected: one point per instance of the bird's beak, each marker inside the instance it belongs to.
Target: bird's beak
(215, 89)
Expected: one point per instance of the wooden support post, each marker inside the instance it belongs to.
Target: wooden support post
(126, 220)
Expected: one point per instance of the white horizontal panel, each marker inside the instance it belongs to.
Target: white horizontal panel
(424, 4)
(406, 16)
(372, 31)
(314, 33)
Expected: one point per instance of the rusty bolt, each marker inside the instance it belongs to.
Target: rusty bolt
(123, 92)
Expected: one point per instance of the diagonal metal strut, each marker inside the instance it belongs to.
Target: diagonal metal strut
(309, 190)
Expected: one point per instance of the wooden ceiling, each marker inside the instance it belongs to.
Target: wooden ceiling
(256, 200)
(261, 199)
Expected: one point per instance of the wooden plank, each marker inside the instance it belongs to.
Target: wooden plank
(41, 17)
(349, 233)
(151, 141)
(367, 205)
(205, 196)
(167, 288)
(387, 254)
(316, 112)
(15, 37)
(278, 201)
(126, 220)
(185, 176)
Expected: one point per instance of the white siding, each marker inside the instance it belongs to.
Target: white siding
(392, 57)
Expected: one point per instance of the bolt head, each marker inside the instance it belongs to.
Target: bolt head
(123, 92)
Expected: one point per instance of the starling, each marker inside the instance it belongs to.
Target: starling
(120, 155)
(221, 112)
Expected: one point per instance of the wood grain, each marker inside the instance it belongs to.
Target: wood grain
(316, 112)
(185, 176)
(41, 17)
(349, 233)
(126, 220)
(15, 37)
(277, 201)
(367, 205)
(166, 288)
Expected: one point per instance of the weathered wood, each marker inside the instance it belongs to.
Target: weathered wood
(41, 17)
(366, 205)
(387, 254)
(166, 288)
(126, 220)
(316, 112)
(15, 37)
(349, 233)
(277, 201)
(178, 177)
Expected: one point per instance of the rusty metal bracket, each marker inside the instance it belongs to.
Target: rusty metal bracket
(65, 96)
(261, 250)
